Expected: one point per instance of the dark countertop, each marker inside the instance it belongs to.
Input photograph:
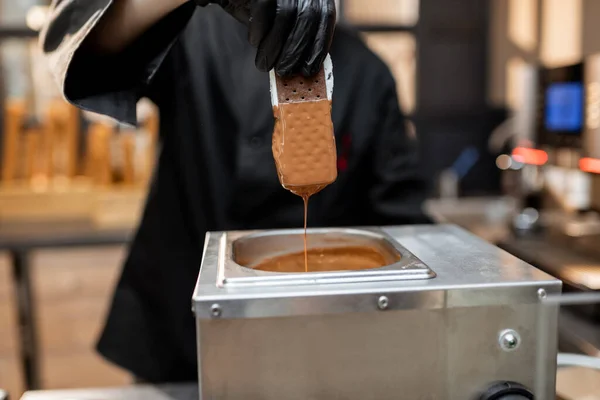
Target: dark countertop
(579, 328)
(29, 235)
(489, 218)
(138, 392)
(559, 258)
(578, 335)
(486, 217)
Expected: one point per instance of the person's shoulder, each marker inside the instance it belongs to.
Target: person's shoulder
(212, 25)
(349, 49)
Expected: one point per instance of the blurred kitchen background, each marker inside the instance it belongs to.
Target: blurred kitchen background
(503, 96)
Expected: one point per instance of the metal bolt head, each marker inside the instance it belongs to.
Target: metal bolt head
(383, 303)
(542, 294)
(509, 340)
(215, 310)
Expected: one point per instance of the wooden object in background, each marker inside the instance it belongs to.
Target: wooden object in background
(128, 149)
(98, 153)
(11, 378)
(20, 203)
(118, 207)
(73, 290)
(577, 383)
(152, 124)
(382, 12)
(151, 127)
(34, 163)
(13, 122)
(63, 133)
(73, 130)
(398, 50)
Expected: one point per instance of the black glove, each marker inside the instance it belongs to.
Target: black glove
(292, 36)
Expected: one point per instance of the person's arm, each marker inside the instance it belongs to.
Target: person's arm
(110, 82)
(105, 54)
(126, 20)
(399, 189)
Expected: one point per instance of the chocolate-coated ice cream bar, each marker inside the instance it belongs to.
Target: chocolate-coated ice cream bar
(303, 139)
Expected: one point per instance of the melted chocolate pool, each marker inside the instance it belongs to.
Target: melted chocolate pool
(351, 258)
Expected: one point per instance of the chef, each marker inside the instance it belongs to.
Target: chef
(205, 66)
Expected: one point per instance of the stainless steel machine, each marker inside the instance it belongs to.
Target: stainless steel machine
(451, 317)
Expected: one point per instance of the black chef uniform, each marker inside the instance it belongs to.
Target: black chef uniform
(216, 169)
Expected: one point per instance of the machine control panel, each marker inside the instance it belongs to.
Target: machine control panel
(561, 107)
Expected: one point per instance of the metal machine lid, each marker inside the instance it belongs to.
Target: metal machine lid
(468, 272)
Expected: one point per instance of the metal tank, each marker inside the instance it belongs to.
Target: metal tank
(451, 317)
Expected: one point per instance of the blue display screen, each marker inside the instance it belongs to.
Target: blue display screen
(564, 107)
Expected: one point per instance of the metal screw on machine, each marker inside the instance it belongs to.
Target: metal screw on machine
(509, 340)
(542, 294)
(215, 310)
(383, 303)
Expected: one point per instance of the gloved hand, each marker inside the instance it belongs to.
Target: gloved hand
(292, 36)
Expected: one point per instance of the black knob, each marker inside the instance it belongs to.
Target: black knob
(514, 397)
(507, 391)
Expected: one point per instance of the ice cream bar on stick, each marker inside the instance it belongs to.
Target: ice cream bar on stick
(303, 140)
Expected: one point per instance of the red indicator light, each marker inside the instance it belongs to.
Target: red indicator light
(530, 156)
(588, 164)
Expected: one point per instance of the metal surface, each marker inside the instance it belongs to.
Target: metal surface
(433, 338)
(141, 392)
(383, 303)
(578, 360)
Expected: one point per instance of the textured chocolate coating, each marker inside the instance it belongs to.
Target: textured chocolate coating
(304, 146)
(303, 140)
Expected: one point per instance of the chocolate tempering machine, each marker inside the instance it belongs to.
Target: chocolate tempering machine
(442, 315)
(449, 317)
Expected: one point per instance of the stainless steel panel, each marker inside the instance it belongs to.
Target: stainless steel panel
(352, 356)
(439, 354)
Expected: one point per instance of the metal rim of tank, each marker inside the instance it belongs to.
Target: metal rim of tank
(326, 238)
(408, 267)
